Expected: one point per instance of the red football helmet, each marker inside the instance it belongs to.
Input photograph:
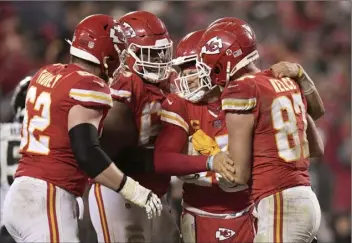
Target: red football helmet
(188, 44)
(149, 47)
(226, 48)
(228, 20)
(97, 39)
(193, 80)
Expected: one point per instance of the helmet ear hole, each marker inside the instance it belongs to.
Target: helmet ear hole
(105, 60)
(217, 69)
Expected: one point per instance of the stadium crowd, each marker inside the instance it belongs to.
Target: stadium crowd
(314, 34)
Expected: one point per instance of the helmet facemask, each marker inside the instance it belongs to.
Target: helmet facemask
(153, 63)
(193, 81)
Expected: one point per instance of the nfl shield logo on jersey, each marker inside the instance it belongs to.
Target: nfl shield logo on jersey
(217, 124)
(224, 234)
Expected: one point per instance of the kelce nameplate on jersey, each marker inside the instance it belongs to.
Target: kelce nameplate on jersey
(283, 84)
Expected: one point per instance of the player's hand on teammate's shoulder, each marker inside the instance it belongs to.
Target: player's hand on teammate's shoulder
(142, 197)
(223, 164)
(286, 69)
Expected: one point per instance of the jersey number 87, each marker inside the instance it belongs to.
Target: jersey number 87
(288, 128)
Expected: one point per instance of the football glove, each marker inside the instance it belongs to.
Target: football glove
(142, 197)
(204, 144)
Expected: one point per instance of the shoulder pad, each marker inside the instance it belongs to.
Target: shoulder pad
(91, 91)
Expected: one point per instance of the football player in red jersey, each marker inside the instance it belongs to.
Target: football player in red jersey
(213, 209)
(65, 107)
(138, 91)
(269, 129)
(137, 99)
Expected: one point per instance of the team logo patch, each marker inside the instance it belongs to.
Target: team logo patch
(91, 44)
(128, 30)
(213, 46)
(237, 53)
(217, 123)
(117, 35)
(224, 234)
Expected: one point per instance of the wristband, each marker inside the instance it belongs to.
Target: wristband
(210, 162)
(122, 184)
(300, 71)
(305, 82)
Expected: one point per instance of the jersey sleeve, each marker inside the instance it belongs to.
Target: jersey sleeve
(240, 95)
(174, 112)
(91, 92)
(122, 88)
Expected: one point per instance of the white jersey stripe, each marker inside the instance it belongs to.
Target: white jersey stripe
(91, 96)
(239, 104)
(121, 93)
(173, 118)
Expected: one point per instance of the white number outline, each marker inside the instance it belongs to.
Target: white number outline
(147, 129)
(40, 123)
(289, 127)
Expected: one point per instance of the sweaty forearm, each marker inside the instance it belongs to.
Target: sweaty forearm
(316, 145)
(112, 178)
(315, 104)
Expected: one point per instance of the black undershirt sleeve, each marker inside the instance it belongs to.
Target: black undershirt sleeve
(86, 149)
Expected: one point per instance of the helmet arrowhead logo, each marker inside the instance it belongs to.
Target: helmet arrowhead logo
(224, 234)
(213, 46)
(128, 30)
(117, 35)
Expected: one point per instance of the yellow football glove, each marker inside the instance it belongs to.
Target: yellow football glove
(204, 144)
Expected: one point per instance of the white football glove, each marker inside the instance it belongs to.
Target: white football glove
(142, 197)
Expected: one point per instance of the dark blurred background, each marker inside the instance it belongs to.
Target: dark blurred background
(314, 34)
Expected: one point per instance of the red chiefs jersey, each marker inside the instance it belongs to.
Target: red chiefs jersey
(45, 143)
(205, 191)
(144, 99)
(280, 145)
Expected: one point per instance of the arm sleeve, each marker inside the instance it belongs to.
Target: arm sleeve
(240, 95)
(85, 147)
(91, 92)
(168, 157)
